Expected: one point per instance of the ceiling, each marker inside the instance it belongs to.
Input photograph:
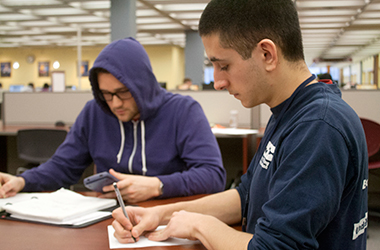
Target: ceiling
(335, 32)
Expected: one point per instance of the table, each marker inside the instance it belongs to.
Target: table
(245, 135)
(16, 235)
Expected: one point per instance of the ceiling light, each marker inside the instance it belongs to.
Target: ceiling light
(159, 6)
(27, 12)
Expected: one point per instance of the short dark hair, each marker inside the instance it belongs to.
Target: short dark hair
(186, 80)
(98, 95)
(325, 76)
(94, 79)
(96, 71)
(242, 24)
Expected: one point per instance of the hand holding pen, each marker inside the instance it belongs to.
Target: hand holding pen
(121, 203)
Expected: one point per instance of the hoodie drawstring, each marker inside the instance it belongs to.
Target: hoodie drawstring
(122, 142)
(143, 156)
(135, 123)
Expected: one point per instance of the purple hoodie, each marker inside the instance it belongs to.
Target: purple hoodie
(172, 140)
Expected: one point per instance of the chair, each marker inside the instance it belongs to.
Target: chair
(36, 146)
(372, 135)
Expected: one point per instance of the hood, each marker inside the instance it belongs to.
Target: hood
(127, 60)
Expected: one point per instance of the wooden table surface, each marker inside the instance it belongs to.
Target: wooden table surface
(16, 235)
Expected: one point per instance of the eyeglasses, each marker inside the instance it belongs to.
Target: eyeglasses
(122, 95)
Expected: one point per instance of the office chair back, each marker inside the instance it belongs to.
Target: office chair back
(372, 135)
(38, 145)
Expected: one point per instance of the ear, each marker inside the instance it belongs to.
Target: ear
(268, 50)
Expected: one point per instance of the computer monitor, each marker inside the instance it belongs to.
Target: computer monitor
(16, 88)
(163, 84)
(209, 86)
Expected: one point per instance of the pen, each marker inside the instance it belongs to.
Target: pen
(121, 203)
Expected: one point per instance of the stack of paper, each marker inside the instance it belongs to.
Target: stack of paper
(63, 207)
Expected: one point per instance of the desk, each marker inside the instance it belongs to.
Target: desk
(17, 235)
(246, 137)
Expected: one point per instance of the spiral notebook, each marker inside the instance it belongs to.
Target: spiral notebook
(62, 208)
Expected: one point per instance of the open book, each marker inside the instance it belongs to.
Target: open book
(62, 207)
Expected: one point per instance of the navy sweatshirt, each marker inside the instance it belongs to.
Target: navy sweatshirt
(307, 188)
(172, 140)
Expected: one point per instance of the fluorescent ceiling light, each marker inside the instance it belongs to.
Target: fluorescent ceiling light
(155, 20)
(96, 5)
(16, 17)
(326, 4)
(82, 19)
(142, 13)
(183, 7)
(159, 26)
(59, 29)
(58, 11)
(41, 23)
(29, 2)
(323, 13)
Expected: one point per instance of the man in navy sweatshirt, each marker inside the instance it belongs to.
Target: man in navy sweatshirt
(158, 144)
(306, 187)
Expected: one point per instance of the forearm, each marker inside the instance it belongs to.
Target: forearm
(225, 206)
(216, 235)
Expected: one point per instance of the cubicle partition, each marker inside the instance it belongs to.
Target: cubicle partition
(39, 108)
(217, 106)
(31, 108)
(366, 104)
(26, 108)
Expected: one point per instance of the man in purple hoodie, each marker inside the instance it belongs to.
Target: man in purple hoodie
(158, 144)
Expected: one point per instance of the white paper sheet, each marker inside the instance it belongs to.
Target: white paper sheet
(19, 197)
(144, 242)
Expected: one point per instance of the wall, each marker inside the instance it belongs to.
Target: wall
(167, 63)
(28, 72)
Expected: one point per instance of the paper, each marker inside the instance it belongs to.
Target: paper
(234, 131)
(144, 242)
(19, 197)
(60, 207)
